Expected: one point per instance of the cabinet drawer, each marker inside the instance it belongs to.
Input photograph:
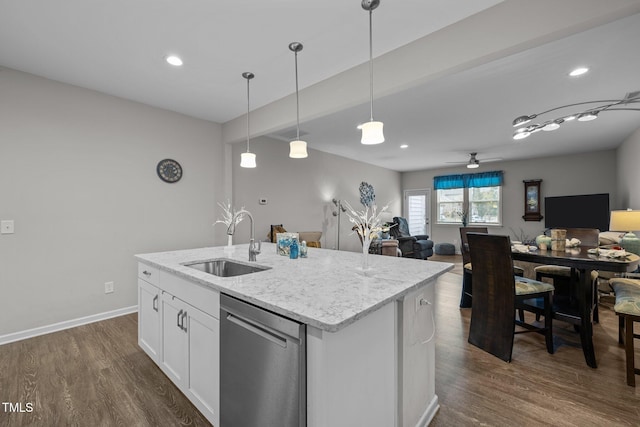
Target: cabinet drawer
(201, 297)
(148, 274)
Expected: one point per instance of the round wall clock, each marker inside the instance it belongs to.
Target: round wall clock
(169, 170)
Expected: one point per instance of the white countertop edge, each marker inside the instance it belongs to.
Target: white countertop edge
(218, 284)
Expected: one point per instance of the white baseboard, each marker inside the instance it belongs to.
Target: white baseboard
(42, 330)
(429, 413)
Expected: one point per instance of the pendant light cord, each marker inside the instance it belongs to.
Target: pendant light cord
(371, 60)
(297, 100)
(248, 114)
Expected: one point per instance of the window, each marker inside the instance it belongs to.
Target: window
(477, 195)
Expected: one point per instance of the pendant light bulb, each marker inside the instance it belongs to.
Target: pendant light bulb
(248, 159)
(297, 148)
(372, 131)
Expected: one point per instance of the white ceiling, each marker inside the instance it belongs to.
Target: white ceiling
(118, 46)
(472, 111)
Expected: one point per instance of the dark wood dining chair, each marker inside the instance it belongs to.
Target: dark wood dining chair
(498, 293)
(467, 271)
(465, 298)
(565, 279)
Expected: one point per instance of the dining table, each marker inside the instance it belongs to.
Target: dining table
(583, 259)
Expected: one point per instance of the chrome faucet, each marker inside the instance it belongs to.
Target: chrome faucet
(253, 251)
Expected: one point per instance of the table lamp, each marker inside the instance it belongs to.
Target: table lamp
(628, 221)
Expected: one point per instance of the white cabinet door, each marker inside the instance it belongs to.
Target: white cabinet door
(190, 353)
(204, 363)
(149, 326)
(174, 338)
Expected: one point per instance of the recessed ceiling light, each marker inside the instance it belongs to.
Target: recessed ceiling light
(579, 71)
(404, 146)
(174, 60)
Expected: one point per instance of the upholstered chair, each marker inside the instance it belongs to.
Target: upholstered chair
(627, 307)
(418, 246)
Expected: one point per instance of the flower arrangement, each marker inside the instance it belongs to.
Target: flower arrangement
(228, 213)
(367, 222)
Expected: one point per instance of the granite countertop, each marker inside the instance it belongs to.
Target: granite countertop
(327, 290)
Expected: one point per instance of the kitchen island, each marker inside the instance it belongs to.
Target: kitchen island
(369, 335)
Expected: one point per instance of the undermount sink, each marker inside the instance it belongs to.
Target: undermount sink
(224, 267)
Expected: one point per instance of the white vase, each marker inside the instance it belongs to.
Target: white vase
(366, 242)
(230, 240)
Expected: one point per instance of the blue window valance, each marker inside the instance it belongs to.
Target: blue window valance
(468, 180)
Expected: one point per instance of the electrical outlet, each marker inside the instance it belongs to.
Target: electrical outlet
(108, 287)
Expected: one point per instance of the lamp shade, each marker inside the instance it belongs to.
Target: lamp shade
(372, 133)
(628, 220)
(298, 150)
(248, 160)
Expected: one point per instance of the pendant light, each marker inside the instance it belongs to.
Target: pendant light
(297, 148)
(371, 130)
(248, 159)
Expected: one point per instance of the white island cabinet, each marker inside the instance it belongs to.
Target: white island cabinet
(179, 328)
(370, 337)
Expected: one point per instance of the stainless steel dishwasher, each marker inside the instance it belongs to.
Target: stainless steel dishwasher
(262, 367)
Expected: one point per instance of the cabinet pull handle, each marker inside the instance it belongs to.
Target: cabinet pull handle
(179, 318)
(155, 303)
(184, 316)
(146, 273)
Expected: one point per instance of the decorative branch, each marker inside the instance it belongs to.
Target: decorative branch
(366, 222)
(228, 212)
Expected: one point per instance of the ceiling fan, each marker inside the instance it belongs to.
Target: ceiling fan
(474, 162)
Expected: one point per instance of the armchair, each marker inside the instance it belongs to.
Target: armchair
(418, 246)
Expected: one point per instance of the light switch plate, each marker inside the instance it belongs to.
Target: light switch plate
(6, 226)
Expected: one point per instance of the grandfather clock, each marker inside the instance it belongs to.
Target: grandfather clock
(532, 200)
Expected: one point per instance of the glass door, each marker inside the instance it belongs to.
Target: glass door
(417, 211)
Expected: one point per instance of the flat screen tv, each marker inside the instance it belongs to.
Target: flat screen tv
(583, 211)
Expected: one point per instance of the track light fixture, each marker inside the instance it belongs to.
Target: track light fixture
(587, 115)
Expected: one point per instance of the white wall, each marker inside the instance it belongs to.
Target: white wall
(587, 173)
(78, 178)
(299, 191)
(628, 172)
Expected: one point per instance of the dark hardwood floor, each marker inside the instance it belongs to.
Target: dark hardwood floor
(96, 375)
(536, 388)
(92, 375)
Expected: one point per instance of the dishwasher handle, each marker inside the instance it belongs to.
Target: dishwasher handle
(266, 333)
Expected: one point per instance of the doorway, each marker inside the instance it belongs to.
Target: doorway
(417, 211)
